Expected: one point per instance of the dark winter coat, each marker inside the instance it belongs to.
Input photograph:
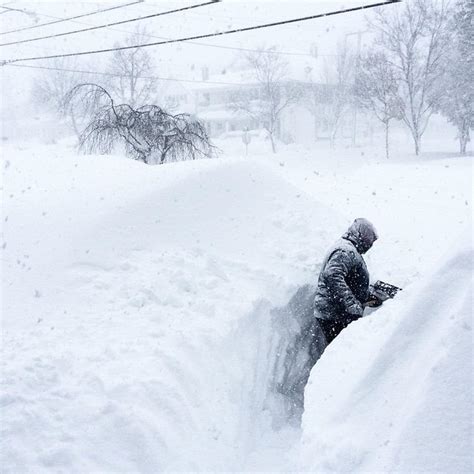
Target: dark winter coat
(343, 284)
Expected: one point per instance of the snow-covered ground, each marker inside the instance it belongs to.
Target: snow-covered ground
(137, 327)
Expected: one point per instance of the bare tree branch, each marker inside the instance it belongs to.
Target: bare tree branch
(415, 39)
(376, 90)
(150, 134)
(132, 72)
(272, 94)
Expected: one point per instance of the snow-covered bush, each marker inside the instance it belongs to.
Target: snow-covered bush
(149, 133)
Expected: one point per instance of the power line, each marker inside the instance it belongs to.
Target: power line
(249, 50)
(206, 45)
(110, 74)
(207, 35)
(235, 48)
(107, 25)
(60, 20)
(13, 10)
(16, 10)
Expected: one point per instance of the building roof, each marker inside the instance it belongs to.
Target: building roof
(300, 68)
(220, 114)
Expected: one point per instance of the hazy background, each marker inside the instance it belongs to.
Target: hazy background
(174, 60)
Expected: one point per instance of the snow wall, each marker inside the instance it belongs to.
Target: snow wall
(394, 392)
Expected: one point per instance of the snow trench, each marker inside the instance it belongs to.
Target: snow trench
(292, 354)
(271, 346)
(282, 361)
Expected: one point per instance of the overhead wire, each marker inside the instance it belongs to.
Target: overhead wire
(61, 20)
(196, 43)
(202, 36)
(107, 25)
(111, 74)
(9, 9)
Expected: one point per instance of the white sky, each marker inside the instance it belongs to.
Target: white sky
(172, 60)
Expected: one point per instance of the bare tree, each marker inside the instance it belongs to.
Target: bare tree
(415, 38)
(376, 90)
(312, 93)
(51, 87)
(131, 72)
(149, 133)
(273, 93)
(458, 85)
(314, 99)
(333, 98)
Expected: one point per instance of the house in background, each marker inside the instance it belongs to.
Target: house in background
(210, 99)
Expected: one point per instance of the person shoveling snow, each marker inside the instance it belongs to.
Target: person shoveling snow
(322, 312)
(343, 289)
(343, 285)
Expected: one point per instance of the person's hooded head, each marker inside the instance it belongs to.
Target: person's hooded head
(362, 234)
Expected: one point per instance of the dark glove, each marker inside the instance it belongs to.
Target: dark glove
(355, 310)
(373, 302)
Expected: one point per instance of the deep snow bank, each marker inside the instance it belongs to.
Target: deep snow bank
(394, 391)
(138, 334)
(131, 337)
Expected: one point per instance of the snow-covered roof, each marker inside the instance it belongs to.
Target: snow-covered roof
(220, 114)
(300, 68)
(226, 80)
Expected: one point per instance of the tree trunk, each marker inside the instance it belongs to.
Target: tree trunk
(332, 139)
(416, 140)
(132, 86)
(74, 126)
(463, 138)
(272, 141)
(164, 151)
(386, 140)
